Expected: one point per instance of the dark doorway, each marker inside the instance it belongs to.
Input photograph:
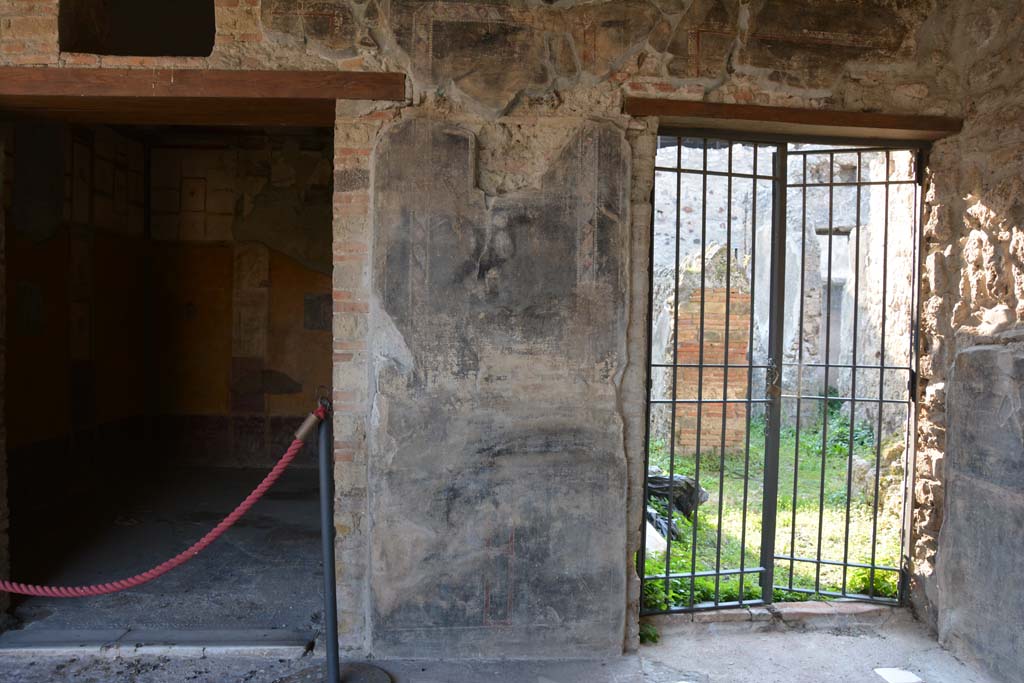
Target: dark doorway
(171, 28)
(168, 330)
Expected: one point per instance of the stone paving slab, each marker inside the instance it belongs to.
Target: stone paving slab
(830, 614)
(768, 652)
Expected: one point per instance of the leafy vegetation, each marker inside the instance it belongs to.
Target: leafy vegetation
(649, 634)
(816, 507)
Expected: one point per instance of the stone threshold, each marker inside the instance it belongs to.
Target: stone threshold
(799, 615)
(139, 642)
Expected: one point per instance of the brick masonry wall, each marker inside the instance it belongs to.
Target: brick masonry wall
(718, 418)
(28, 32)
(354, 138)
(972, 291)
(272, 34)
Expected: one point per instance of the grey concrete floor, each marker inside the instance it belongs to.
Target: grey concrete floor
(704, 653)
(263, 574)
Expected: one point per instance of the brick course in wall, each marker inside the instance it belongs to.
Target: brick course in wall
(721, 309)
(354, 139)
(245, 39)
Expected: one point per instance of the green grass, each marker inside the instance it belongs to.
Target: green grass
(733, 478)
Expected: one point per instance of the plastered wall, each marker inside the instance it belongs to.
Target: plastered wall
(75, 234)
(204, 320)
(241, 267)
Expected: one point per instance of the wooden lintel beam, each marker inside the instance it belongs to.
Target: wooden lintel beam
(786, 120)
(198, 83)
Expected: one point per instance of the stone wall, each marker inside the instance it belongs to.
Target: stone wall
(514, 98)
(984, 510)
(972, 288)
(522, 104)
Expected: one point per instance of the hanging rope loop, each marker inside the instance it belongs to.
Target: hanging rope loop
(308, 427)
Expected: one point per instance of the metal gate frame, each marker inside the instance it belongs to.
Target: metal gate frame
(773, 389)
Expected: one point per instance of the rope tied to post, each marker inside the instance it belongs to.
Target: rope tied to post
(310, 424)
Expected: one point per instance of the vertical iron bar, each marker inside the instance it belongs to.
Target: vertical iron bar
(827, 361)
(775, 326)
(326, 460)
(675, 374)
(750, 375)
(910, 459)
(642, 563)
(700, 366)
(725, 372)
(853, 375)
(881, 381)
(799, 368)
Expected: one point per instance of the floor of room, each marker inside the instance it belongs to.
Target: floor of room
(704, 653)
(260, 582)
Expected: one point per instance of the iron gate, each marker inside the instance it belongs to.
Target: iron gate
(782, 371)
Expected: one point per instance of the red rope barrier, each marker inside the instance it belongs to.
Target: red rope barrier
(177, 560)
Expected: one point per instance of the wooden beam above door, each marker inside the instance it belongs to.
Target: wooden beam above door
(189, 97)
(792, 121)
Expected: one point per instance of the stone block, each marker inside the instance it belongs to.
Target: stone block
(349, 326)
(794, 612)
(325, 22)
(721, 616)
(349, 274)
(349, 179)
(984, 509)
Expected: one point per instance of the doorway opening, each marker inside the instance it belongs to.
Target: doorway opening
(782, 369)
(169, 294)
